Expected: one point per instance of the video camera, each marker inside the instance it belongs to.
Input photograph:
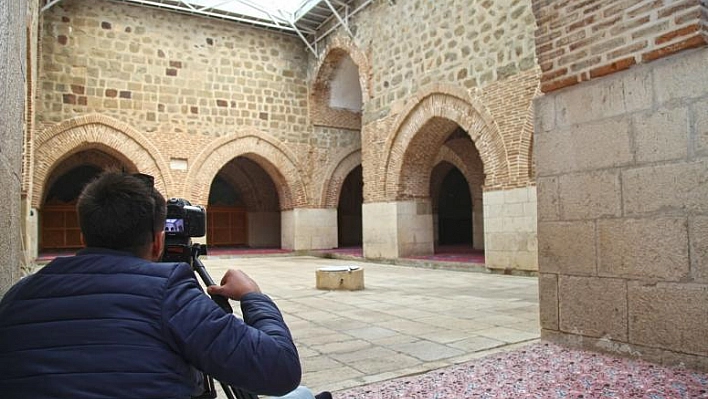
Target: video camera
(183, 221)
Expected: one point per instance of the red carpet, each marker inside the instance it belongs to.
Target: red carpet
(457, 253)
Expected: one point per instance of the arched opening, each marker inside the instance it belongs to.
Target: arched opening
(337, 97)
(345, 90)
(58, 219)
(243, 209)
(349, 215)
(454, 210)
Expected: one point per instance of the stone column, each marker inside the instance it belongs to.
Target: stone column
(398, 229)
(510, 229)
(307, 228)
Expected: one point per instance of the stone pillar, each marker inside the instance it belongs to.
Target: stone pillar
(398, 229)
(510, 229)
(623, 211)
(13, 53)
(307, 228)
(264, 229)
(31, 231)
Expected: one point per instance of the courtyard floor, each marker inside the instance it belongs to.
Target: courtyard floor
(408, 320)
(418, 332)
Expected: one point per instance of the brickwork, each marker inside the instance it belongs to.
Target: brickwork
(96, 131)
(579, 41)
(339, 172)
(255, 187)
(622, 211)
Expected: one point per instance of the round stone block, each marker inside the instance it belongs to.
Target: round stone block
(349, 278)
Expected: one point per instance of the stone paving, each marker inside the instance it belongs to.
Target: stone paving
(408, 320)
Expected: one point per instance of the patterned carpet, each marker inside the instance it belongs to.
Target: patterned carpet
(543, 371)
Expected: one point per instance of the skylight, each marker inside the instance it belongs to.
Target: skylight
(282, 10)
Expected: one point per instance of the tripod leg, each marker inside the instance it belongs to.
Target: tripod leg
(227, 391)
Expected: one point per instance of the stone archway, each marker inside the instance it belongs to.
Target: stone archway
(116, 138)
(278, 162)
(437, 112)
(335, 177)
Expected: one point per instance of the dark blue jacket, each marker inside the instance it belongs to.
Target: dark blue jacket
(105, 324)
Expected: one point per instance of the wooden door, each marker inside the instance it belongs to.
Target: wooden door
(60, 227)
(227, 226)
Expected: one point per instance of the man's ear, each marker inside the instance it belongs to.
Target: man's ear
(158, 245)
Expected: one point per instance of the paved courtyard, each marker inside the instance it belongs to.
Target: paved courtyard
(406, 321)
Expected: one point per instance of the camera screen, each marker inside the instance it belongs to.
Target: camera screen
(174, 225)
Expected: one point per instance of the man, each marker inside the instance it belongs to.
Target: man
(112, 322)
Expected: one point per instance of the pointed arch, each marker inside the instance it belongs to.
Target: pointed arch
(96, 132)
(335, 176)
(266, 151)
(437, 110)
(338, 49)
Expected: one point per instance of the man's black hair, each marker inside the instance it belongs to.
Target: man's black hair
(120, 211)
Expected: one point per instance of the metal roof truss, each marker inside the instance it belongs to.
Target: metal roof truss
(306, 22)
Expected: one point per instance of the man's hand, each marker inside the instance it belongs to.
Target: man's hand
(234, 285)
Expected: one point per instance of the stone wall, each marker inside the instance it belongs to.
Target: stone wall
(622, 166)
(622, 162)
(16, 20)
(482, 51)
(180, 89)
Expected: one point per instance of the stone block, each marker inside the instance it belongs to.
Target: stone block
(590, 195)
(548, 300)
(672, 188)
(548, 199)
(617, 94)
(350, 278)
(597, 145)
(652, 248)
(594, 307)
(493, 197)
(661, 135)
(517, 195)
(567, 248)
(684, 76)
(698, 238)
(700, 128)
(669, 316)
(544, 113)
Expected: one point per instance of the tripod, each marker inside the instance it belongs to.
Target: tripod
(223, 302)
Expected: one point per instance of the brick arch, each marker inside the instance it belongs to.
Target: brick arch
(99, 157)
(250, 189)
(320, 111)
(420, 131)
(332, 187)
(119, 140)
(271, 155)
(336, 48)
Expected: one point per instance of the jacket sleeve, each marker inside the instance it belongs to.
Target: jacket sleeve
(258, 355)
